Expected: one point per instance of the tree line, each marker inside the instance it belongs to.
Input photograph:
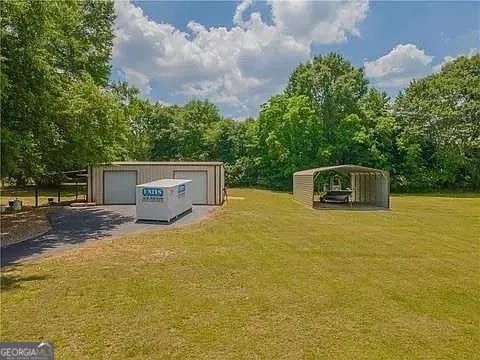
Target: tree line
(60, 112)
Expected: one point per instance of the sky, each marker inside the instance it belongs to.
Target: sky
(238, 54)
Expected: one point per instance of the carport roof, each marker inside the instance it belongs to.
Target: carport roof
(343, 169)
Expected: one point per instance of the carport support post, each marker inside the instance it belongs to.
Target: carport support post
(36, 196)
(76, 189)
(58, 194)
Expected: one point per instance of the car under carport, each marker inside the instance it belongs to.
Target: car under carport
(369, 187)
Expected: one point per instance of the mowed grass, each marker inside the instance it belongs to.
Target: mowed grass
(267, 278)
(27, 194)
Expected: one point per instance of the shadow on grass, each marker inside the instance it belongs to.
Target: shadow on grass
(10, 281)
(70, 226)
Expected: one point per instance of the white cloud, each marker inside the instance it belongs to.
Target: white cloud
(240, 67)
(140, 80)
(402, 64)
(319, 22)
(449, 58)
(397, 68)
(238, 17)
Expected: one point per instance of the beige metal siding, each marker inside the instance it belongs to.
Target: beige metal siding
(222, 183)
(89, 186)
(217, 184)
(150, 172)
(199, 186)
(371, 188)
(384, 190)
(303, 189)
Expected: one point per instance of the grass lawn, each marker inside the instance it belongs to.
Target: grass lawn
(27, 194)
(265, 277)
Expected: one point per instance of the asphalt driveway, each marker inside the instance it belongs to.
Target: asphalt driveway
(73, 226)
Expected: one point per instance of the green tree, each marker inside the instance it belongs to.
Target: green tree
(333, 84)
(48, 48)
(379, 125)
(93, 128)
(439, 121)
(288, 136)
(326, 116)
(198, 116)
(222, 141)
(166, 134)
(139, 116)
(191, 132)
(342, 103)
(243, 170)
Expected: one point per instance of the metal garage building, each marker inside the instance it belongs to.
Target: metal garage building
(369, 186)
(115, 183)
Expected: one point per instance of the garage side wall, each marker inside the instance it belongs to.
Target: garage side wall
(222, 181)
(303, 189)
(147, 173)
(220, 175)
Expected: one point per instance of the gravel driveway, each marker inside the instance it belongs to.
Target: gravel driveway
(73, 226)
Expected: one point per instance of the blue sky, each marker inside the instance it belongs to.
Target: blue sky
(238, 54)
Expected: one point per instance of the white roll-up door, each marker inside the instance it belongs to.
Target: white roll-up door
(199, 184)
(119, 187)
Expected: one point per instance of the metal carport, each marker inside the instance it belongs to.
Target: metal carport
(369, 186)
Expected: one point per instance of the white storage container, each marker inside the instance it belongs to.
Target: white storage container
(163, 200)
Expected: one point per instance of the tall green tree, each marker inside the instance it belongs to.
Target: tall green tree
(166, 133)
(333, 84)
(93, 128)
(337, 90)
(191, 132)
(222, 141)
(139, 117)
(327, 115)
(439, 121)
(48, 49)
(244, 169)
(289, 135)
(198, 116)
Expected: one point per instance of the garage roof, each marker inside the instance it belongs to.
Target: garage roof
(133, 163)
(343, 169)
(166, 183)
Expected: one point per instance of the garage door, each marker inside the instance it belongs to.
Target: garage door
(199, 184)
(119, 187)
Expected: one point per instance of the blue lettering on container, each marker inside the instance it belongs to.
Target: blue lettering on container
(181, 188)
(154, 192)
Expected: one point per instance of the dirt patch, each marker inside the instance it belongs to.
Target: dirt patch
(20, 226)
